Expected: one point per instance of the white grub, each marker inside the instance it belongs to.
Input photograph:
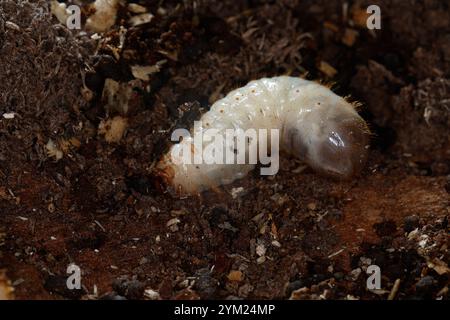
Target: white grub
(104, 17)
(315, 125)
(59, 10)
(139, 19)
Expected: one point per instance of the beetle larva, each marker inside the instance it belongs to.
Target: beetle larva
(314, 124)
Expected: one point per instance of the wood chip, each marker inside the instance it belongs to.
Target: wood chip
(104, 17)
(136, 8)
(12, 26)
(116, 96)
(113, 129)
(276, 243)
(59, 10)
(172, 222)
(261, 259)
(143, 72)
(236, 191)
(9, 115)
(6, 290)
(261, 250)
(331, 26)
(359, 16)
(53, 150)
(439, 266)
(312, 206)
(394, 290)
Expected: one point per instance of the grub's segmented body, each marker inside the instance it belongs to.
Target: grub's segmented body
(314, 124)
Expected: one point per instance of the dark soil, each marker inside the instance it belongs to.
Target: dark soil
(98, 204)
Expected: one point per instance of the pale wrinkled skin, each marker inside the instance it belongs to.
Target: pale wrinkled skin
(315, 125)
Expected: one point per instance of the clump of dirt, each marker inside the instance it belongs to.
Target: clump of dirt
(73, 191)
